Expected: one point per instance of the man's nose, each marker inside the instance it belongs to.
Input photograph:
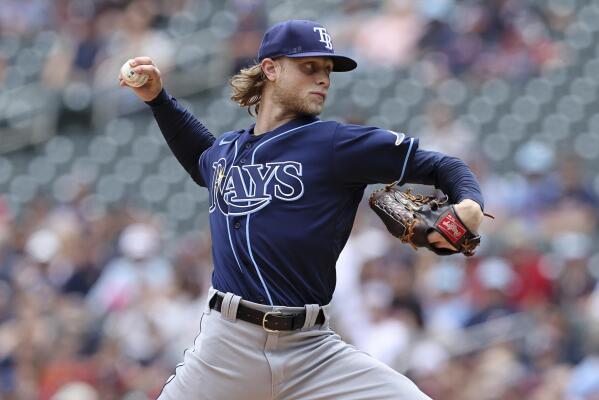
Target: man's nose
(324, 81)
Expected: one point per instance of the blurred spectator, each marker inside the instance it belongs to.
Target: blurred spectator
(390, 37)
(500, 38)
(251, 25)
(442, 132)
(447, 308)
(574, 182)
(138, 273)
(491, 284)
(76, 391)
(583, 383)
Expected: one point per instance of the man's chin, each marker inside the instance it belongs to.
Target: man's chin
(311, 114)
(306, 110)
(311, 111)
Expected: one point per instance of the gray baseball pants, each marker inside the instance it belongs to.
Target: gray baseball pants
(236, 360)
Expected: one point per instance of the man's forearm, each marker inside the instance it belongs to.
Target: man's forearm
(186, 136)
(450, 174)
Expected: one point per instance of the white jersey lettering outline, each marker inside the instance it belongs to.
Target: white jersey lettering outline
(247, 189)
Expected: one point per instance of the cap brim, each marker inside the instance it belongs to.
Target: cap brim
(340, 63)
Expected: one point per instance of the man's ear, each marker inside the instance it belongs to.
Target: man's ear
(270, 68)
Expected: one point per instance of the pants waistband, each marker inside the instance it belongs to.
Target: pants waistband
(232, 301)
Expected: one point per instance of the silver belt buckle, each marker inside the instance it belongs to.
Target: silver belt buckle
(266, 314)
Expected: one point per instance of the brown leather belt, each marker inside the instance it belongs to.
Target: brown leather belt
(271, 321)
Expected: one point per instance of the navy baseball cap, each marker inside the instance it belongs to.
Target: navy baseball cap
(299, 38)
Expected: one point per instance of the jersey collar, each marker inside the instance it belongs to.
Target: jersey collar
(294, 123)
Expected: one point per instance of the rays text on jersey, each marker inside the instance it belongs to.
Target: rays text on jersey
(242, 190)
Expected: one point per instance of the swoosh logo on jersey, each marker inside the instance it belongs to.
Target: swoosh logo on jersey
(399, 137)
(223, 141)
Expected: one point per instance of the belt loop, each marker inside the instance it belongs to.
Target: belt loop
(211, 293)
(326, 310)
(311, 315)
(228, 309)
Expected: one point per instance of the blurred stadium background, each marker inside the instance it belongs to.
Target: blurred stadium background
(104, 247)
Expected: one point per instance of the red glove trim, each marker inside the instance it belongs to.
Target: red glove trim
(453, 228)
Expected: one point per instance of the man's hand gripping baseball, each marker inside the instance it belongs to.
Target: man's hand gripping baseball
(145, 66)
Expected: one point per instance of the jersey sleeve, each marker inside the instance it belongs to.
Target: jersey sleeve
(186, 136)
(450, 174)
(365, 155)
(204, 168)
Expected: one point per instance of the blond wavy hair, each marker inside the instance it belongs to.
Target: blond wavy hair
(247, 88)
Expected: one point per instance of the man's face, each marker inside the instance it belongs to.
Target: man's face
(302, 84)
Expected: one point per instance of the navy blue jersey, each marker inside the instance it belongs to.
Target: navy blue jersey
(282, 204)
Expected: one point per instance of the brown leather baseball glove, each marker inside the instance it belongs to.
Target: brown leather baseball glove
(411, 217)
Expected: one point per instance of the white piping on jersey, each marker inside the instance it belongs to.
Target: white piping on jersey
(231, 242)
(247, 235)
(282, 133)
(405, 163)
(227, 220)
(247, 225)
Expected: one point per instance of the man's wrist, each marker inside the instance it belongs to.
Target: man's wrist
(160, 98)
(469, 203)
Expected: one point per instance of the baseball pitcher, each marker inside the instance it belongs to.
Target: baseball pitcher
(283, 197)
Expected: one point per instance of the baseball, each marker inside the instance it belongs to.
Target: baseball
(131, 77)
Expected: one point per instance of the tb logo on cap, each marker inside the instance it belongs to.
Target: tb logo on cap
(324, 37)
